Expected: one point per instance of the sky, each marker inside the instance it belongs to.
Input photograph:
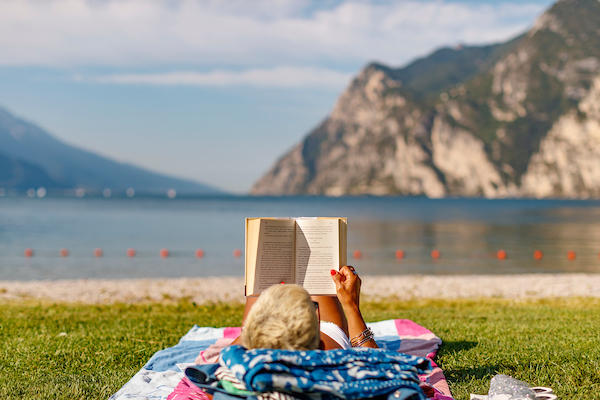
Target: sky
(216, 91)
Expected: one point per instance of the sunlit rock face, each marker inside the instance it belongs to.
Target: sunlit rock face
(568, 161)
(462, 159)
(374, 142)
(518, 119)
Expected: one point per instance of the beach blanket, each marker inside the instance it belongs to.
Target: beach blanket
(162, 377)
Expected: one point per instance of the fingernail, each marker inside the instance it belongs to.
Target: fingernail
(333, 272)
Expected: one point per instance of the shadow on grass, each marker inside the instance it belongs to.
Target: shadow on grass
(451, 349)
(455, 347)
(475, 373)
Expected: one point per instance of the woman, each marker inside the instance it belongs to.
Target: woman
(286, 317)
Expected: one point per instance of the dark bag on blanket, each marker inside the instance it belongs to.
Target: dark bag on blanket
(204, 377)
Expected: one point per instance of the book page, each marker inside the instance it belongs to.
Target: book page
(317, 252)
(252, 234)
(343, 241)
(275, 255)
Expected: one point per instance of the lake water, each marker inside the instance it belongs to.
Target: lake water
(467, 232)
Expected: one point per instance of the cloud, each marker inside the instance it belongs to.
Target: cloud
(280, 77)
(245, 34)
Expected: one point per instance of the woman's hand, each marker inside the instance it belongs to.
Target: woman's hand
(347, 286)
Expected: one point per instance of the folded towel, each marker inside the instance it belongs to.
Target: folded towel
(357, 373)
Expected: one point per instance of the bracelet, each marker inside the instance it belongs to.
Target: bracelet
(362, 334)
(362, 338)
(363, 341)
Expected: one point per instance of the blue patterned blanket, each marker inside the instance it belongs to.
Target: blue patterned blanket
(358, 373)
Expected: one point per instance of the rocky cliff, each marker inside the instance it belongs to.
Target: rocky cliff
(519, 119)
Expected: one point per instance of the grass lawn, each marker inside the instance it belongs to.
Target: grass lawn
(88, 352)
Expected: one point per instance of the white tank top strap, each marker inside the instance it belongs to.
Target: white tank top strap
(336, 333)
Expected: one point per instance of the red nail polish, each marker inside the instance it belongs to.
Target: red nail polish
(333, 272)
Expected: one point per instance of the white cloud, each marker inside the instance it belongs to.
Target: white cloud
(245, 34)
(281, 77)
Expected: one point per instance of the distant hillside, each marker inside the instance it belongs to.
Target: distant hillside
(31, 157)
(518, 119)
(21, 175)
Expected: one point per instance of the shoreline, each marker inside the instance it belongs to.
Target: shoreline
(230, 289)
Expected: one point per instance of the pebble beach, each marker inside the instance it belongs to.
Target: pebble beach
(231, 289)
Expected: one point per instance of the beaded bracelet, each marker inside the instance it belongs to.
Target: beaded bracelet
(362, 338)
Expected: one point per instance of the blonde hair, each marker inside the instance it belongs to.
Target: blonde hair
(283, 317)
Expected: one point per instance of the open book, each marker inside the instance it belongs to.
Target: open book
(294, 250)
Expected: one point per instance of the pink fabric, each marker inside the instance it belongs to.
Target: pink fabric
(186, 390)
(232, 333)
(406, 327)
(439, 396)
(438, 381)
(209, 356)
(420, 341)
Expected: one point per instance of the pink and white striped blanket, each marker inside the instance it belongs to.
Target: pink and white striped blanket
(162, 377)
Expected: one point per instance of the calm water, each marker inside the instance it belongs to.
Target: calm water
(466, 232)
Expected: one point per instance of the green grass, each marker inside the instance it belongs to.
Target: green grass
(552, 343)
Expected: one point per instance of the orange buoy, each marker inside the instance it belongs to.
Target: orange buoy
(98, 252)
(237, 253)
(164, 253)
(130, 252)
(399, 254)
(571, 255)
(64, 252)
(199, 253)
(357, 254)
(501, 254)
(435, 254)
(28, 252)
(538, 255)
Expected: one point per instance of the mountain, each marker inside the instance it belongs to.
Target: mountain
(21, 175)
(517, 119)
(30, 158)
